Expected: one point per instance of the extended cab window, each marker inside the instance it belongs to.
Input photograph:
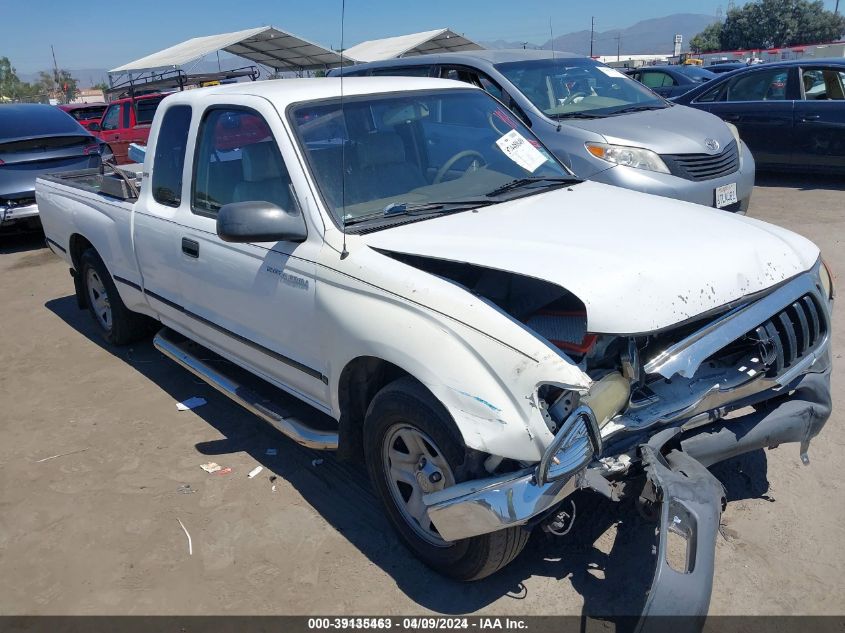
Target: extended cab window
(145, 109)
(170, 155)
(126, 117)
(237, 160)
(111, 120)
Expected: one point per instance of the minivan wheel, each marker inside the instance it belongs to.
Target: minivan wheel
(412, 448)
(117, 324)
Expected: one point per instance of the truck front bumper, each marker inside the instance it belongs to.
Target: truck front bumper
(674, 461)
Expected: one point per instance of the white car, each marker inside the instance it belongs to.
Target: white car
(489, 334)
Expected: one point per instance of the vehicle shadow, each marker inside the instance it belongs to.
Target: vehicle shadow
(21, 242)
(607, 558)
(800, 181)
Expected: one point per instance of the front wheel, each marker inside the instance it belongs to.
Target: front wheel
(412, 448)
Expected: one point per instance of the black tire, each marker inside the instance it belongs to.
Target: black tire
(408, 402)
(125, 326)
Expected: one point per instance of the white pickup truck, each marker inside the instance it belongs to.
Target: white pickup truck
(487, 332)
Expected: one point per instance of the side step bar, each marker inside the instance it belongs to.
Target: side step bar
(293, 428)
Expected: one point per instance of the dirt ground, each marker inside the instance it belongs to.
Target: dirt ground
(97, 531)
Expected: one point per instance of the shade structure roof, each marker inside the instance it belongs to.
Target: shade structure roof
(436, 41)
(263, 45)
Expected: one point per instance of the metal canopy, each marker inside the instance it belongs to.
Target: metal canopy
(436, 41)
(264, 45)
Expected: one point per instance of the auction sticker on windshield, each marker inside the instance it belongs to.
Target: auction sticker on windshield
(726, 195)
(519, 150)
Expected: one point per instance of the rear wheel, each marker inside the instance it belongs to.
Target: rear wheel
(412, 448)
(117, 324)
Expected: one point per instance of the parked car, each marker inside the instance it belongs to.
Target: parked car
(37, 139)
(487, 337)
(127, 121)
(605, 126)
(671, 81)
(726, 67)
(85, 113)
(791, 114)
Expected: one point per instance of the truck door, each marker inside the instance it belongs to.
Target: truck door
(252, 302)
(113, 131)
(819, 133)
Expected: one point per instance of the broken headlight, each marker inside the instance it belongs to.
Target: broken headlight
(628, 156)
(575, 444)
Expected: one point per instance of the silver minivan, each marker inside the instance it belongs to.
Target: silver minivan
(604, 125)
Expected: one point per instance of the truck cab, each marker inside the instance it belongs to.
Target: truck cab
(127, 121)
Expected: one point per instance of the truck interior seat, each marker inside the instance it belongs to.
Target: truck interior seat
(264, 176)
(384, 170)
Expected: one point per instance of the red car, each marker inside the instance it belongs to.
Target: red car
(85, 113)
(127, 121)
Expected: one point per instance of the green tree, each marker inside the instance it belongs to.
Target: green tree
(708, 40)
(9, 81)
(777, 23)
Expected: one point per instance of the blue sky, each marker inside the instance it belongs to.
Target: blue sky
(106, 34)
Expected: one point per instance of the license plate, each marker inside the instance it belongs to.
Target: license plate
(726, 195)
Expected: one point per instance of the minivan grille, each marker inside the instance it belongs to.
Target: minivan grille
(703, 166)
(790, 334)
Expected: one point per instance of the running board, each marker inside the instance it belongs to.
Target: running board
(248, 399)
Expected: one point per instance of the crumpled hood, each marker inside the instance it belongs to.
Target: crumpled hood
(674, 130)
(638, 262)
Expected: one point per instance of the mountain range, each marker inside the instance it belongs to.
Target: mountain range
(647, 36)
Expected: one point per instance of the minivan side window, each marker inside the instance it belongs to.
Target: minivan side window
(111, 119)
(237, 160)
(170, 156)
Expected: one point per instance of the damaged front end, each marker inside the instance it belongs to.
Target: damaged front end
(661, 409)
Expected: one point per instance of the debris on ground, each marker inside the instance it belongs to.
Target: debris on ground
(190, 546)
(224, 471)
(190, 403)
(255, 471)
(211, 467)
(316, 462)
(272, 452)
(81, 450)
(185, 489)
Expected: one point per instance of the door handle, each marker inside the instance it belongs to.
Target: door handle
(809, 117)
(731, 117)
(191, 248)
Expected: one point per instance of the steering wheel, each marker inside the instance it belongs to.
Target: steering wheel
(441, 173)
(571, 98)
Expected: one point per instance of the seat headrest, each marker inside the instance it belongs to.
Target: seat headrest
(261, 161)
(382, 148)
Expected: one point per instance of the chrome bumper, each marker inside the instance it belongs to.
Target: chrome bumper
(11, 214)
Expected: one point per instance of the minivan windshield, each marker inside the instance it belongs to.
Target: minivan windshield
(576, 87)
(420, 153)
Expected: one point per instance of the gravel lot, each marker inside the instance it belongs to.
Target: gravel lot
(97, 531)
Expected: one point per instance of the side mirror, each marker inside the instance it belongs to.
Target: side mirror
(259, 221)
(94, 127)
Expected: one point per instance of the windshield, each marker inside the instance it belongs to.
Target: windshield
(86, 114)
(696, 73)
(414, 149)
(574, 86)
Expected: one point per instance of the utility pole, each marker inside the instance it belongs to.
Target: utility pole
(55, 70)
(836, 10)
(592, 34)
(618, 39)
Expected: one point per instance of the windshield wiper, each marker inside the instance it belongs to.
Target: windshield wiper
(639, 108)
(519, 183)
(578, 115)
(426, 208)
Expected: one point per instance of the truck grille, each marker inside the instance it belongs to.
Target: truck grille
(790, 334)
(703, 166)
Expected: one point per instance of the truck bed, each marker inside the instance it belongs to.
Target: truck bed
(109, 184)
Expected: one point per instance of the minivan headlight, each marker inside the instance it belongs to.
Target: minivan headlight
(735, 132)
(628, 156)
